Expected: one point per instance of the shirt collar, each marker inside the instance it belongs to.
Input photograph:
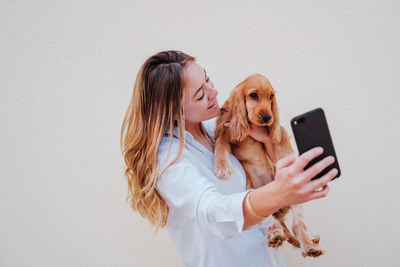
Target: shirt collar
(188, 136)
(189, 139)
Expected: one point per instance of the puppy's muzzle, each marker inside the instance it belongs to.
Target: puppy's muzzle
(265, 117)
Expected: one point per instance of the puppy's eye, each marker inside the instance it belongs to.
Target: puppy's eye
(271, 96)
(254, 96)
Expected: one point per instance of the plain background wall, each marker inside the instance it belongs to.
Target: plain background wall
(67, 72)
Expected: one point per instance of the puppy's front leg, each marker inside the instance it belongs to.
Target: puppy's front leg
(308, 247)
(222, 163)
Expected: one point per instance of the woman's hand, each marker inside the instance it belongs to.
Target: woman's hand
(293, 184)
(258, 133)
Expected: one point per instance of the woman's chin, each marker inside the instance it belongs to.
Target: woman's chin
(212, 115)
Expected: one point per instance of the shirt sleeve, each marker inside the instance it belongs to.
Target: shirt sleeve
(187, 190)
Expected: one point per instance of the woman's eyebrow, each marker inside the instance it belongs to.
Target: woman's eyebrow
(198, 90)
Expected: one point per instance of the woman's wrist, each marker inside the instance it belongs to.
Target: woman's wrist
(265, 200)
(269, 147)
(265, 145)
(267, 141)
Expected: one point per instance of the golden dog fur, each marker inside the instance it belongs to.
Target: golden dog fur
(253, 100)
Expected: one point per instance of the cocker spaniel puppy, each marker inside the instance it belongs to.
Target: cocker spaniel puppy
(253, 100)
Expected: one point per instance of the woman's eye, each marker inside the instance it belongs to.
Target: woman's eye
(270, 98)
(200, 98)
(254, 96)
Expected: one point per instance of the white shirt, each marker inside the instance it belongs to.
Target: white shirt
(206, 219)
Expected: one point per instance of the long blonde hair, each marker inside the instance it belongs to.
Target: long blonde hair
(155, 108)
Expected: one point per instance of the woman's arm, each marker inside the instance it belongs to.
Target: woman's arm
(263, 201)
(191, 193)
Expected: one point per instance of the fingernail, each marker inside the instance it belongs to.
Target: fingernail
(320, 149)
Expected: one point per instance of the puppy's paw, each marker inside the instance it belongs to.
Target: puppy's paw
(312, 250)
(223, 169)
(315, 239)
(275, 238)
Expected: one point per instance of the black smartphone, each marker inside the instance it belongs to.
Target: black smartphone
(311, 130)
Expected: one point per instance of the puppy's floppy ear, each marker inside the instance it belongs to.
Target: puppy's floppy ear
(275, 127)
(239, 128)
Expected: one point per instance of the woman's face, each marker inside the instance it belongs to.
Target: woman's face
(200, 98)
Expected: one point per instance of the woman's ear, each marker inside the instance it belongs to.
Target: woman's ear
(239, 128)
(275, 127)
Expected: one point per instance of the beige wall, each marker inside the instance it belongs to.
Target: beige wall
(67, 71)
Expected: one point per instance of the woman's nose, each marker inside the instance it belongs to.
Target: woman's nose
(212, 93)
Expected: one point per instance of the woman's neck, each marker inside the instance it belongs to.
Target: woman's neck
(194, 129)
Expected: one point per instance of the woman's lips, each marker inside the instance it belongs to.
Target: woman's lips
(213, 105)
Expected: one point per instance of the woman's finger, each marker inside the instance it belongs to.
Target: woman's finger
(227, 124)
(306, 157)
(319, 194)
(323, 180)
(286, 161)
(318, 167)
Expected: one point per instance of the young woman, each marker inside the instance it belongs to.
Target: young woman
(167, 143)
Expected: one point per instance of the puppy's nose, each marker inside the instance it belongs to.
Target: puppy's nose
(265, 117)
